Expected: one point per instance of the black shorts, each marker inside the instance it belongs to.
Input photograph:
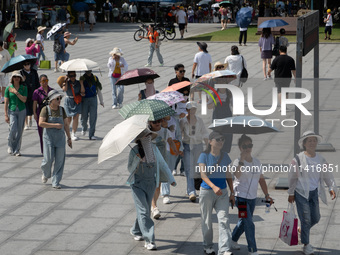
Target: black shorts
(133, 15)
(282, 83)
(328, 29)
(181, 26)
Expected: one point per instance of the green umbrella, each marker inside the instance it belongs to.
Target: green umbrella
(226, 3)
(156, 109)
(8, 29)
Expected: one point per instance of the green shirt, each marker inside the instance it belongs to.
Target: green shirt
(14, 101)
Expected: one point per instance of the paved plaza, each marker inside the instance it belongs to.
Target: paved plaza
(94, 210)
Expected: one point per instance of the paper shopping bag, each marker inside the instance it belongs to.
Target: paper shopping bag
(45, 64)
(289, 226)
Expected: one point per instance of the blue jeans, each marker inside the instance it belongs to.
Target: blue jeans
(159, 56)
(309, 213)
(246, 224)
(89, 107)
(117, 92)
(42, 54)
(16, 128)
(143, 190)
(190, 158)
(165, 186)
(209, 201)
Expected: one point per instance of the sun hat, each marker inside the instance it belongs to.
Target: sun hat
(41, 28)
(116, 51)
(28, 40)
(145, 132)
(18, 74)
(215, 135)
(307, 134)
(181, 7)
(67, 34)
(329, 10)
(53, 94)
(190, 105)
(203, 46)
(61, 80)
(219, 63)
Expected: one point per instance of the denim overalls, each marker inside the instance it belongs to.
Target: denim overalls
(54, 148)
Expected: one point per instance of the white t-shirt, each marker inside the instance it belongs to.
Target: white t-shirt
(246, 185)
(40, 38)
(243, 28)
(133, 9)
(39, 14)
(313, 174)
(180, 108)
(330, 20)
(181, 15)
(203, 60)
(235, 64)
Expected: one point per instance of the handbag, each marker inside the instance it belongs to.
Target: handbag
(77, 98)
(177, 144)
(45, 64)
(289, 226)
(244, 73)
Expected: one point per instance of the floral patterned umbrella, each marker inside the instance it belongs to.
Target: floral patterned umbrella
(156, 109)
(217, 77)
(170, 97)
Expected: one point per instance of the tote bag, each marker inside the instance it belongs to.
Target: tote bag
(45, 64)
(289, 226)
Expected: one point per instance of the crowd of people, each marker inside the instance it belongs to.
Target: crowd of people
(152, 163)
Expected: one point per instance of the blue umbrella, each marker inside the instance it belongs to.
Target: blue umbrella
(17, 63)
(243, 17)
(89, 2)
(80, 6)
(280, 3)
(242, 125)
(273, 23)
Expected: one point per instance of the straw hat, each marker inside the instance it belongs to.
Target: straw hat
(61, 80)
(53, 94)
(18, 74)
(67, 34)
(116, 51)
(219, 63)
(28, 40)
(41, 28)
(307, 134)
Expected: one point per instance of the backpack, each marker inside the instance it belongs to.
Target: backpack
(57, 47)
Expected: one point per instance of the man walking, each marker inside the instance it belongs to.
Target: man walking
(153, 37)
(284, 67)
(181, 20)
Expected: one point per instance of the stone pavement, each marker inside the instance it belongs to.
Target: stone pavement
(94, 210)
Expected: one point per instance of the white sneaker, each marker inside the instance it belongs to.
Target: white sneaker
(192, 198)
(93, 138)
(166, 200)
(253, 253)
(30, 123)
(43, 179)
(137, 238)
(150, 246)
(147, 65)
(156, 214)
(227, 253)
(83, 133)
(17, 154)
(114, 107)
(26, 128)
(9, 150)
(56, 70)
(174, 172)
(209, 251)
(235, 246)
(308, 249)
(74, 137)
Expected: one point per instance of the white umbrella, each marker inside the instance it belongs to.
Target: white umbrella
(121, 135)
(55, 29)
(215, 5)
(79, 64)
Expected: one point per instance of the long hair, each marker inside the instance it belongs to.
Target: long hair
(140, 149)
(266, 32)
(208, 149)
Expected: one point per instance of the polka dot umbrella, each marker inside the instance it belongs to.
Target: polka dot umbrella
(156, 109)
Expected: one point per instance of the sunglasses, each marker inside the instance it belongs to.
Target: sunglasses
(245, 146)
(44, 81)
(27, 64)
(156, 121)
(17, 77)
(58, 98)
(219, 67)
(219, 139)
(181, 71)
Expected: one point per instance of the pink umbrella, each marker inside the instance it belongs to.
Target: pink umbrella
(170, 97)
(135, 76)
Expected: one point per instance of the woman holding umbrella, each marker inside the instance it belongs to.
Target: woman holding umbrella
(117, 67)
(146, 165)
(15, 112)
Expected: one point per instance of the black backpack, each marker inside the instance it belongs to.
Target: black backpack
(57, 47)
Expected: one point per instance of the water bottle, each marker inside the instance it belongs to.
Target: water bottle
(267, 208)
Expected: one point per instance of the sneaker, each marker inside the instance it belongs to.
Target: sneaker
(147, 65)
(56, 187)
(150, 246)
(209, 251)
(182, 174)
(166, 200)
(26, 128)
(43, 179)
(192, 198)
(17, 154)
(114, 107)
(74, 137)
(253, 253)
(93, 138)
(136, 238)
(120, 105)
(235, 246)
(56, 70)
(83, 133)
(265, 78)
(30, 123)
(9, 151)
(161, 65)
(174, 172)
(227, 253)
(156, 214)
(308, 249)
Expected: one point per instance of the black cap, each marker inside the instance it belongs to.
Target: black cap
(203, 46)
